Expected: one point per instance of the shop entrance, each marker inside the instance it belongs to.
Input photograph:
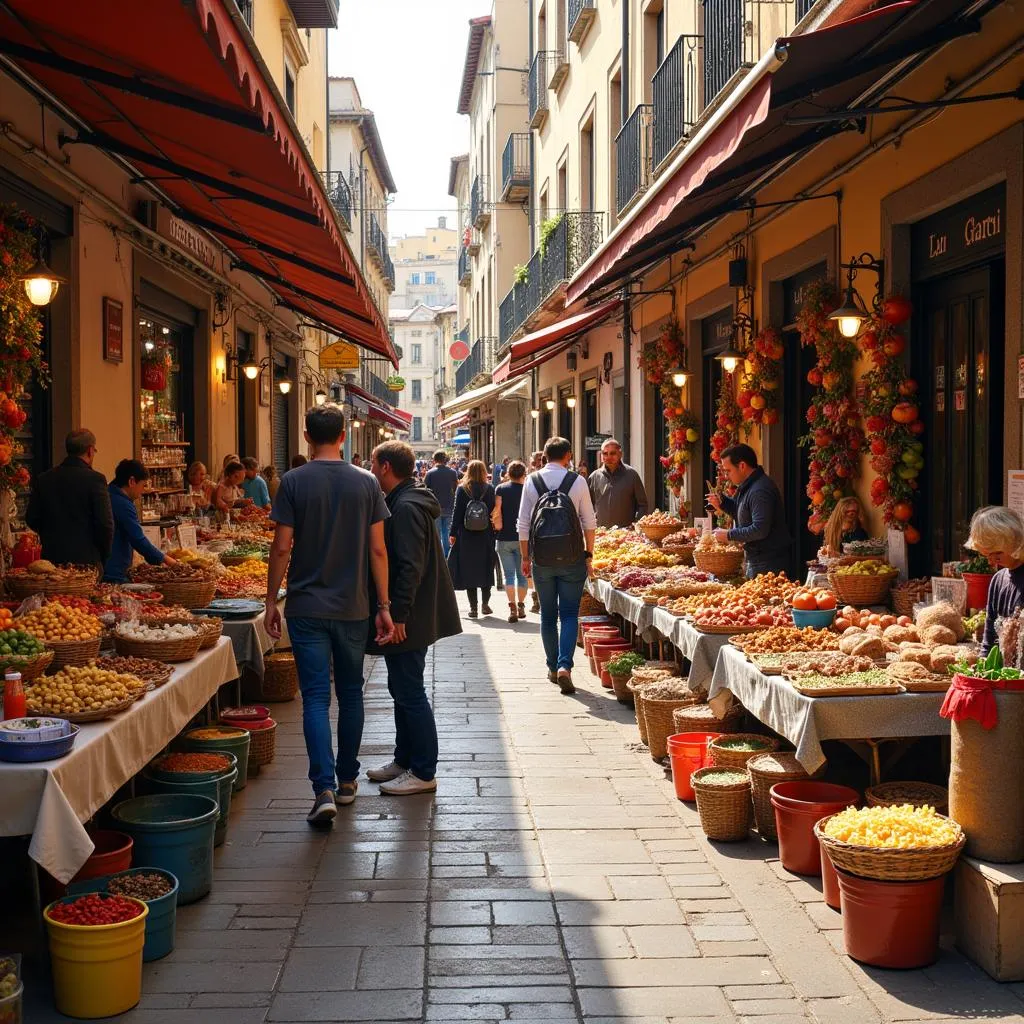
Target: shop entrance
(715, 334)
(246, 400)
(282, 416)
(592, 458)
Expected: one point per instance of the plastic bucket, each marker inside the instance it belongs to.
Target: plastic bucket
(604, 634)
(112, 853)
(601, 652)
(173, 832)
(977, 589)
(218, 787)
(798, 806)
(162, 911)
(829, 880)
(688, 751)
(97, 969)
(234, 741)
(891, 924)
(588, 622)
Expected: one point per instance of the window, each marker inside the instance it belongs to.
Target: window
(417, 355)
(414, 279)
(417, 334)
(431, 277)
(289, 88)
(417, 428)
(417, 391)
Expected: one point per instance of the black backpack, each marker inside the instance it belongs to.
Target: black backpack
(556, 535)
(476, 518)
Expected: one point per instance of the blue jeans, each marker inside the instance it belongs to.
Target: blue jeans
(317, 644)
(415, 730)
(444, 529)
(511, 557)
(560, 590)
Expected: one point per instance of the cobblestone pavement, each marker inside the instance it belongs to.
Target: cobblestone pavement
(553, 878)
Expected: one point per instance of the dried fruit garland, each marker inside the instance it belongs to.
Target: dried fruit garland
(835, 439)
(759, 391)
(894, 425)
(658, 360)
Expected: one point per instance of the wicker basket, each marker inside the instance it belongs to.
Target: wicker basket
(262, 743)
(73, 652)
(718, 563)
(700, 718)
(590, 605)
(765, 770)
(861, 590)
(280, 677)
(684, 552)
(211, 629)
(634, 688)
(30, 668)
(658, 721)
(658, 533)
(188, 594)
(183, 649)
(903, 602)
(723, 757)
(27, 584)
(889, 865)
(893, 794)
(725, 811)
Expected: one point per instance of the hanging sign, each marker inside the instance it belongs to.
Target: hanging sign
(1015, 491)
(113, 330)
(594, 441)
(339, 356)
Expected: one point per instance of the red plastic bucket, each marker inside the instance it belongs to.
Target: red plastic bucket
(602, 653)
(688, 751)
(891, 924)
(598, 636)
(112, 855)
(977, 588)
(798, 806)
(829, 880)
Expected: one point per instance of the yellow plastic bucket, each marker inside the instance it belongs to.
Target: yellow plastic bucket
(97, 969)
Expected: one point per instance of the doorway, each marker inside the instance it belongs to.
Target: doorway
(245, 346)
(590, 456)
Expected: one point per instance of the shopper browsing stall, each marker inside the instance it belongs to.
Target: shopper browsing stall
(229, 489)
(616, 489)
(125, 489)
(997, 533)
(254, 487)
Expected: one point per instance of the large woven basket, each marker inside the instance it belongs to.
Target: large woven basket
(658, 533)
(888, 865)
(188, 594)
(590, 605)
(725, 810)
(718, 563)
(903, 602)
(177, 649)
(30, 668)
(861, 590)
(722, 757)
(895, 794)
(684, 552)
(634, 688)
(700, 718)
(765, 770)
(73, 652)
(658, 720)
(262, 742)
(280, 677)
(211, 628)
(23, 585)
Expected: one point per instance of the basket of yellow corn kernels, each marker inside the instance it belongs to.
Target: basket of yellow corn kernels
(891, 844)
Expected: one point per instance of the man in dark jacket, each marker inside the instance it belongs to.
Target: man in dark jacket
(423, 610)
(69, 507)
(128, 485)
(759, 520)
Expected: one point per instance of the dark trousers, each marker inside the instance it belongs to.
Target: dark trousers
(471, 594)
(415, 730)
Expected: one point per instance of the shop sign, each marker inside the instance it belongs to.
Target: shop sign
(186, 237)
(716, 331)
(1015, 490)
(593, 442)
(113, 330)
(339, 356)
(960, 400)
(187, 537)
(794, 290)
(963, 233)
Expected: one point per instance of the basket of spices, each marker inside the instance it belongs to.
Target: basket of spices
(191, 586)
(735, 750)
(280, 677)
(656, 701)
(43, 577)
(170, 643)
(700, 718)
(152, 672)
(723, 802)
(765, 770)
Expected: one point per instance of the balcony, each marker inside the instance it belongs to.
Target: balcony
(340, 196)
(573, 241)
(315, 13)
(676, 94)
(245, 10)
(736, 34)
(633, 150)
(515, 168)
(376, 386)
(472, 241)
(479, 206)
(558, 69)
(581, 16)
(465, 268)
(476, 367)
(507, 317)
(377, 249)
(538, 90)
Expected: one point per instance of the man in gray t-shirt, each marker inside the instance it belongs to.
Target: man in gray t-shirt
(329, 522)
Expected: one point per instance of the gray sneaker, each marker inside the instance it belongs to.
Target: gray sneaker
(385, 773)
(323, 811)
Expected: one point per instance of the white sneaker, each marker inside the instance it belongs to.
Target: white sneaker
(385, 773)
(406, 784)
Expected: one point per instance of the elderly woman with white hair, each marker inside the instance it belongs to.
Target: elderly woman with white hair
(997, 533)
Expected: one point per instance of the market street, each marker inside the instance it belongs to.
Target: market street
(554, 878)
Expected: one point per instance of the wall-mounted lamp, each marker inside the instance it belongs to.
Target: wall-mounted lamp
(549, 404)
(356, 424)
(284, 386)
(251, 368)
(851, 313)
(570, 401)
(571, 360)
(320, 397)
(681, 377)
(40, 282)
(535, 413)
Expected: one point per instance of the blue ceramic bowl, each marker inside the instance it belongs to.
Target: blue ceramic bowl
(815, 619)
(33, 729)
(43, 750)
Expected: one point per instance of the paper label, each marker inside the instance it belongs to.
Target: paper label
(898, 552)
(187, 537)
(952, 590)
(1015, 490)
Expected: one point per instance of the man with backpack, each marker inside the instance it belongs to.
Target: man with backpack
(556, 536)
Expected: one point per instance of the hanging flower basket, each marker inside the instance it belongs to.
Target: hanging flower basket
(395, 383)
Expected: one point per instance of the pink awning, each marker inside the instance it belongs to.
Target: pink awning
(378, 410)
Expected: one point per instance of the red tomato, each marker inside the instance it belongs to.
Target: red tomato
(825, 600)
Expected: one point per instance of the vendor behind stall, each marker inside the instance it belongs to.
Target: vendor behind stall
(997, 533)
(844, 526)
(126, 488)
(229, 489)
(254, 487)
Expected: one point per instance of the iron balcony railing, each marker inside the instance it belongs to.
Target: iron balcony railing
(676, 94)
(573, 241)
(377, 244)
(480, 361)
(465, 266)
(515, 168)
(736, 34)
(633, 151)
(507, 317)
(581, 14)
(340, 195)
(376, 386)
(245, 9)
(479, 208)
(802, 8)
(538, 86)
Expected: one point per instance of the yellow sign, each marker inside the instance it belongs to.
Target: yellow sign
(339, 356)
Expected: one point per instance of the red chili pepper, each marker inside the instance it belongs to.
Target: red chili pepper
(193, 763)
(96, 909)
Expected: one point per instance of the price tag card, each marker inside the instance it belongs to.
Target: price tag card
(952, 590)
(187, 536)
(152, 532)
(898, 552)
(704, 525)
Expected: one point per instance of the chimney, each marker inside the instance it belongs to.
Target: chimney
(442, 222)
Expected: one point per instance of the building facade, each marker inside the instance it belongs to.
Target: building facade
(417, 334)
(426, 267)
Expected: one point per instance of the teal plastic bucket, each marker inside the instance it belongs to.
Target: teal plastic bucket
(233, 740)
(162, 911)
(217, 786)
(173, 832)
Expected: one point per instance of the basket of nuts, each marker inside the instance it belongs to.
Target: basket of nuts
(191, 586)
(83, 694)
(73, 635)
(176, 642)
(43, 577)
(152, 672)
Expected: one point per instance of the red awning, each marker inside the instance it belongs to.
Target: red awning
(822, 70)
(174, 89)
(379, 411)
(454, 421)
(535, 349)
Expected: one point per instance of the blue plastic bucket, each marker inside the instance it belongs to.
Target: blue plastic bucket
(173, 832)
(162, 911)
(218, 787)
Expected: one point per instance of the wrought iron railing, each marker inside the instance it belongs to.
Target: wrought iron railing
(802, 7)
(581, 14)
(376, 386)
(538, 87)
(465, 266)
(245, 9)
(479, 361)
(676, 89)
(507, 317)
(573, 241)
(340, 195)
(479, 208)
(515, 164)
(633, 151)
(377, 245)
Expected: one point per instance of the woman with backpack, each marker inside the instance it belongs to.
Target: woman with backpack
(471, 558)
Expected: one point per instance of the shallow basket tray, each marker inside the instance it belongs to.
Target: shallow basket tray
(729, 630)
(154, 679)
(659, 533)
(725, 758)
(280, 677)
(179, 649)
(29, 667)
(861, 590)
(883, 689)
(73, 652)
(210, 627)
(725, 811)
(917, 793)
(889, 865)
(188, 594)
(22, 586)
(659, 723)
(239, 559)
(700, 718)
(784, 767)
(90, 716)
(718, 563)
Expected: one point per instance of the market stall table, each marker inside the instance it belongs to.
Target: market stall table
(807, 721)
(700, 649)
(251, 641)
(50, 800)
(631, 608)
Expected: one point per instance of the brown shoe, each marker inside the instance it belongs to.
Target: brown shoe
(564, 681)
(536, 603)
(522, 611)
(552, 676)
(513, 615)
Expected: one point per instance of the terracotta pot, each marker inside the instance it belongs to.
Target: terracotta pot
(604, 652)
(798, 806)
(977, 588)
(829, 880)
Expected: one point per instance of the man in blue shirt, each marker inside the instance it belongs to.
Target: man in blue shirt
(254, 487)
(125, 489)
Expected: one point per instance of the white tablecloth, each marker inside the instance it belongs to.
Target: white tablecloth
(631, 608)
(50, 800)
(807, 721)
